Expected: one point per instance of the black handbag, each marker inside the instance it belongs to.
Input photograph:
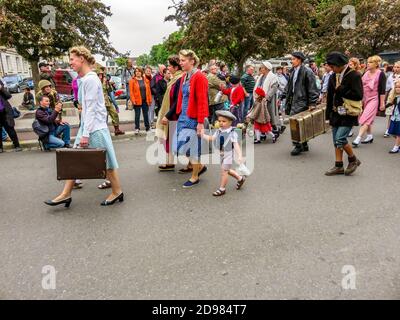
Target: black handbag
(16, 113)
(41, 130)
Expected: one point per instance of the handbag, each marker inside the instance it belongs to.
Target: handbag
(16, 112)
(353, 108)
(218, 97)
(82, 164)
(41, 130)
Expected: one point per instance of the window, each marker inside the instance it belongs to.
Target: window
(18, 63)
(9, 64)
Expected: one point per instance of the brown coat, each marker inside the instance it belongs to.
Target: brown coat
(259, 113)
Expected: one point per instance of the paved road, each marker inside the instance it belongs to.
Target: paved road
(286, 235)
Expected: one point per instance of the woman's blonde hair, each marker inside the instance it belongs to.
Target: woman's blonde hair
(393, 95)
(81, 51)
(375, 59)
(397, 63)
(191, 55)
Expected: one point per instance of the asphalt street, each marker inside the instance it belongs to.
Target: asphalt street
(287, 235)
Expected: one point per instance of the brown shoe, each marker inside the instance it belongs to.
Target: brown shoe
(335, 171)
(352, 167)
(117, 131)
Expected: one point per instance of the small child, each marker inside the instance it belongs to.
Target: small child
(227, 141)
(237, 98)
(260, 116)
(394, 128)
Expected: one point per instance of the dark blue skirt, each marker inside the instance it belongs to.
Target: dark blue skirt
(394, 128)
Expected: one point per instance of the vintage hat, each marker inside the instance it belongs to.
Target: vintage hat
(226, 114)
(234, 79)
(336, 58)
(260, 91)
(267, 64)
(44, 83)
(299, 55)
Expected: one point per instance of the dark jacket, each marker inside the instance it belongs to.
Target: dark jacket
(161, 87)
(48, 77)
(171, 114)
(306, 93)
(47, 117)
(351, 88)
(248, 83)
(5, 95)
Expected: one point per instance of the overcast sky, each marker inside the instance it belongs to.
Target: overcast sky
(137, 25)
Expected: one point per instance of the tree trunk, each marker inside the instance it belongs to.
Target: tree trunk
(35, 73)
(240, 65)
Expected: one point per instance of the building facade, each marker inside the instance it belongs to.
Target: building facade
(12, 63)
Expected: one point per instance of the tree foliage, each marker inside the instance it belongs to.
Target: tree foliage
(234, 30)
(377, 27)
(77, 22)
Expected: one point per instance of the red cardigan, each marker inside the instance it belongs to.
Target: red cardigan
(238, 95)
(198, 99)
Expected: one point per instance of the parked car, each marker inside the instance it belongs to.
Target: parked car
(4, 83)
(15, 83)
(63, 80)
(117, 81)
(29, 83)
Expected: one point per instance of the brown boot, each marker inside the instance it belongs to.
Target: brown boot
(352, 167)
(117, 131)
(335, 171)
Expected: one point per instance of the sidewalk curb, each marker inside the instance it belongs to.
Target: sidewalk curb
(74, 126)
(30, 145)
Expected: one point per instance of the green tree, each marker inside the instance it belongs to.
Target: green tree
(143, 60)
(159, 54)
(24, 27)
(122, 60)
(376, 29)
(235, 30)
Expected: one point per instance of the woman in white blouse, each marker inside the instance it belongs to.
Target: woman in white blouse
(93, 131)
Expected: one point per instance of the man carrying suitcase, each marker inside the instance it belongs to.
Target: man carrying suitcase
(301, 93)
(345, 88)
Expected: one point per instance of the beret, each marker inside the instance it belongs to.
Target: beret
(226, 114)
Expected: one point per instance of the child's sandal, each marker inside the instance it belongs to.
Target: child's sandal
(219, 193)
(240, 183)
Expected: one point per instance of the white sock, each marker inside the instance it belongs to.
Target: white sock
(258, 135)
(395, 148)
(369, 137)
(357, 140)
(271, 134)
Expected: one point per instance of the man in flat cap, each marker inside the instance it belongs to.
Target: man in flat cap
(345, 87)
(301, 93)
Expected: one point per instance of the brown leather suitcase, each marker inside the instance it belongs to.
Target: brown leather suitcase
(81, 164)
(301, 127)
(318, 116)
(308, 124)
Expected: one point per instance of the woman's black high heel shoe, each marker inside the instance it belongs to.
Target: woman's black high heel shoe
(120, 198)
(51, 203)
